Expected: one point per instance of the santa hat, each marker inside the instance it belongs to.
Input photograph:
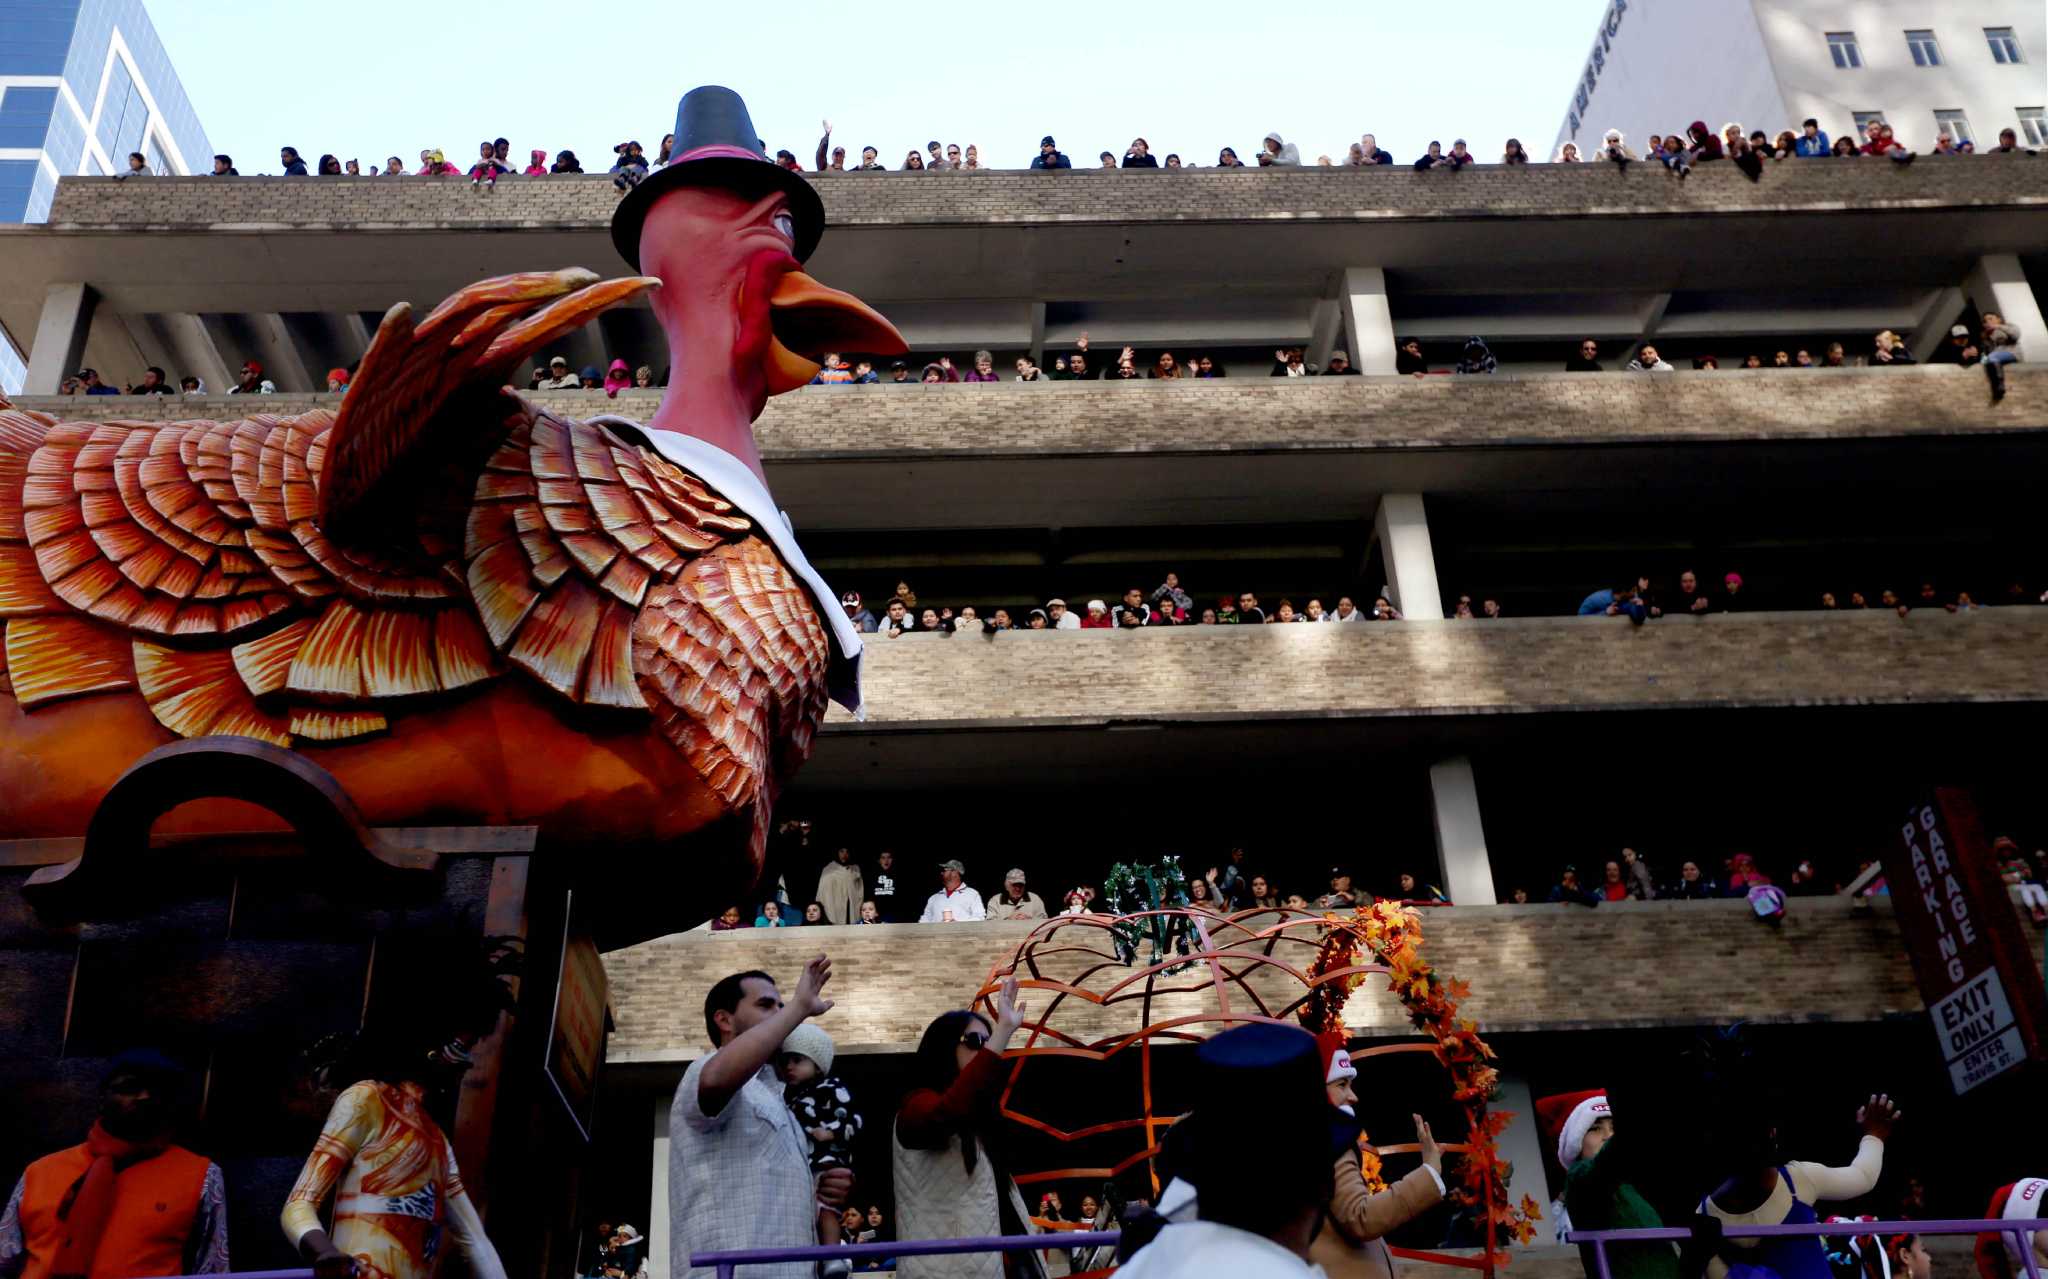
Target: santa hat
(1336, 1060)
(2021, 1201)
(1568, 1117)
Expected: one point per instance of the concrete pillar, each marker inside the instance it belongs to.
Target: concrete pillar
(1521, 1144)
(1460, 835)
(197, 355)
(1999, 284)
(657, 1211)
(1941, 310)
(283, 363)
(60, 338)
(143, 334)
(1037, 335)
(1325, 327)
(1368, 321)
(1403, 535)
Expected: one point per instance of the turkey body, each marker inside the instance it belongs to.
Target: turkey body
(549, 624)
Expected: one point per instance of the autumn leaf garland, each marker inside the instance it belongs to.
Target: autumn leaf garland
(1393, 935)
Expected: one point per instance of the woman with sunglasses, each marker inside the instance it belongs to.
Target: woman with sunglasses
(915, 160)
(947, 1183)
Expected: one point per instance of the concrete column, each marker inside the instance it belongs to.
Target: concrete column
(1326, 326)
(283, 363)
(1411, 565)
(1368, 321)
(1941, 310)
(1521, 1144)
(194, 348)
(60, 338)
(1460, 836)
(657, 1211)
(1038, 334)
(1999, 284)
(146, 341)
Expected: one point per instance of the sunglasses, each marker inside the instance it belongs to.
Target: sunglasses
(974, 1039)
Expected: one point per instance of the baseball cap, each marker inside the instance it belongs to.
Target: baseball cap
(1094, 605)
(953, 865)
(558, 360)
(1339, 870)
(897, 364)
(851, 597)
(1055, 603)
(1958, 331)
(1016, 876)
(1047, 141)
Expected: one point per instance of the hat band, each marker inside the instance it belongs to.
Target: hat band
(718, 149)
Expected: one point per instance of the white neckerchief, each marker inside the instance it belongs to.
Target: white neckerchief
(732, 480)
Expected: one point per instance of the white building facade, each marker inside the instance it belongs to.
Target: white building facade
(1925, 67)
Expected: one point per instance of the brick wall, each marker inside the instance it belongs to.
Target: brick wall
(1530, 968)
(1521, 665)
(1086, 195)
(1264, 414)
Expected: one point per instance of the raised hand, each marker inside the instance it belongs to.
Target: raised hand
(1009, 1008)
(1432, 1154)
(1877, 1116)
(809, 996)
(1081, 343)
(828, 127)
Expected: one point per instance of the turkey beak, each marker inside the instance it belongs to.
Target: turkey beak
(809, 319)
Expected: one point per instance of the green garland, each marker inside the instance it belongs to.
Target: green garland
(1132, 888)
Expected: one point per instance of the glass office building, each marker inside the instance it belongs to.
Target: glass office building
(82, 84)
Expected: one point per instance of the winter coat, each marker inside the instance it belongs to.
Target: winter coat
(1351, 1243)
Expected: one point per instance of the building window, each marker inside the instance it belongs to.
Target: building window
(2005, 47)
(1865, 119)
(1953, 125)
(1926, 53)
(1842, 45)
(2034, 124)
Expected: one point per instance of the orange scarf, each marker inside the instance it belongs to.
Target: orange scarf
(86, 1207)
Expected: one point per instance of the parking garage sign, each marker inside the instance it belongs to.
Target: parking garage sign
(1974, 969)
(1980, 1037)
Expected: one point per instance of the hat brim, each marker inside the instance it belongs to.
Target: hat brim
(733, 173)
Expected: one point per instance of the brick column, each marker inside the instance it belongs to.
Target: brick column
(1460, 835)
(1403, 534)
(1999, 284)
(59, 344)
(1368, 321)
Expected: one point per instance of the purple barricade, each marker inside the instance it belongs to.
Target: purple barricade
(730, 1260)
(1599, 1239)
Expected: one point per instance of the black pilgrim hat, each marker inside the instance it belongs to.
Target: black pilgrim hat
(716, 146)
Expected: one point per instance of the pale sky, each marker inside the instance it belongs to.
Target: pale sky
(372, 78)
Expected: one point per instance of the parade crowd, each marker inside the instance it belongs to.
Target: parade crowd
(1679, 151)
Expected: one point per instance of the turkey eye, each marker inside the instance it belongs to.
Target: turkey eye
(787, 225)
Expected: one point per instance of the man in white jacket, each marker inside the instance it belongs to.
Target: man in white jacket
(1256, 1209)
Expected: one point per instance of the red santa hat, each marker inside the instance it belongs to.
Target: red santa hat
(1997, 1255)
(1567, 1117)
(1336, 1059)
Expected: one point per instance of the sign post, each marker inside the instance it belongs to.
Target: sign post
(1974, 970)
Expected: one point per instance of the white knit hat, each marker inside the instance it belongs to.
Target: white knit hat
(808, 1040)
